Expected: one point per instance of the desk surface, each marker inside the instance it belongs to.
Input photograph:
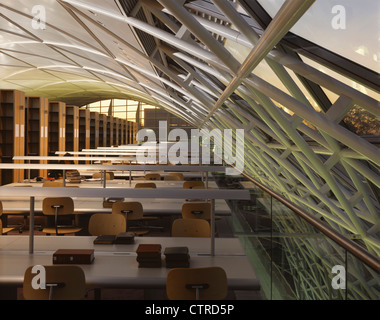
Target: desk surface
(95, 205)
(115, 266)
(154, 206)
(117, 183)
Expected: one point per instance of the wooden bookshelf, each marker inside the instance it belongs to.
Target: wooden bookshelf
(12, 132)
(116, 127)
(109, 136)
(84, 128)
(94, 130)
(133, 132)
(129, 130)
(57, 127)
(37, 130)
(122, 132)
(72, 128)
(103, 130)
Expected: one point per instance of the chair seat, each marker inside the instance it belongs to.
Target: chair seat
(6, 230)
(62, 230)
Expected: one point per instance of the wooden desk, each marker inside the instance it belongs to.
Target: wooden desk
(153, 206)
(115, 266)
(89, 193)
(118, 183)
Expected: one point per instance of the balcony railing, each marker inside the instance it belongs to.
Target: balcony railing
(297, 256)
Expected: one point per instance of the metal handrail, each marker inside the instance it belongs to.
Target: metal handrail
(352, 247)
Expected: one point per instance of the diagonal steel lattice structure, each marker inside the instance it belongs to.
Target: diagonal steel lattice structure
(182, 56)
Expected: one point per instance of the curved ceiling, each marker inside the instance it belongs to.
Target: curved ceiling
(77, 55)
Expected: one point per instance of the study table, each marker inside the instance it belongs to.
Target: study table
(151, 206)
(116, 183)
(120, 170)
(93, 193)
(115, 266)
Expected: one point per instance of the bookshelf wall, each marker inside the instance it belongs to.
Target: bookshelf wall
(107, 131)
(94, 130)
(12, 132)
(102, 130)
(115, 132)
(37, 126)
(37, 130)
(84, 129)
(72, 128)
(57, 127)
(122, 131)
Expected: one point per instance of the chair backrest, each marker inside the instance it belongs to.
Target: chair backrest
(59, 205)
(208, 283)
(171, 178)
(191, 228)
(70, 283)
(132, 210)
(196, 210)
(178, 175)
(191, 184)
(145, 185)
(109, 175)
(52, 183)
(106, 224)
(152, 176)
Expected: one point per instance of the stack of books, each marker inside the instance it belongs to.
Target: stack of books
(149, 255)
(121, 238)
(73, 256)
(177, 257)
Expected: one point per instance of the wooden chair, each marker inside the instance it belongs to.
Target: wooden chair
(171, 178)
(133, 211)
(59, 206)
(153, 176)
(176, 176)
(191, 228)
(207, 283)
(196, 210)
(99, 175)
(62, 283)
(145, 185)
(3, 230)
(106, 224)
(195, 183)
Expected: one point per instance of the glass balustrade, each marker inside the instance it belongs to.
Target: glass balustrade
(291, 257)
